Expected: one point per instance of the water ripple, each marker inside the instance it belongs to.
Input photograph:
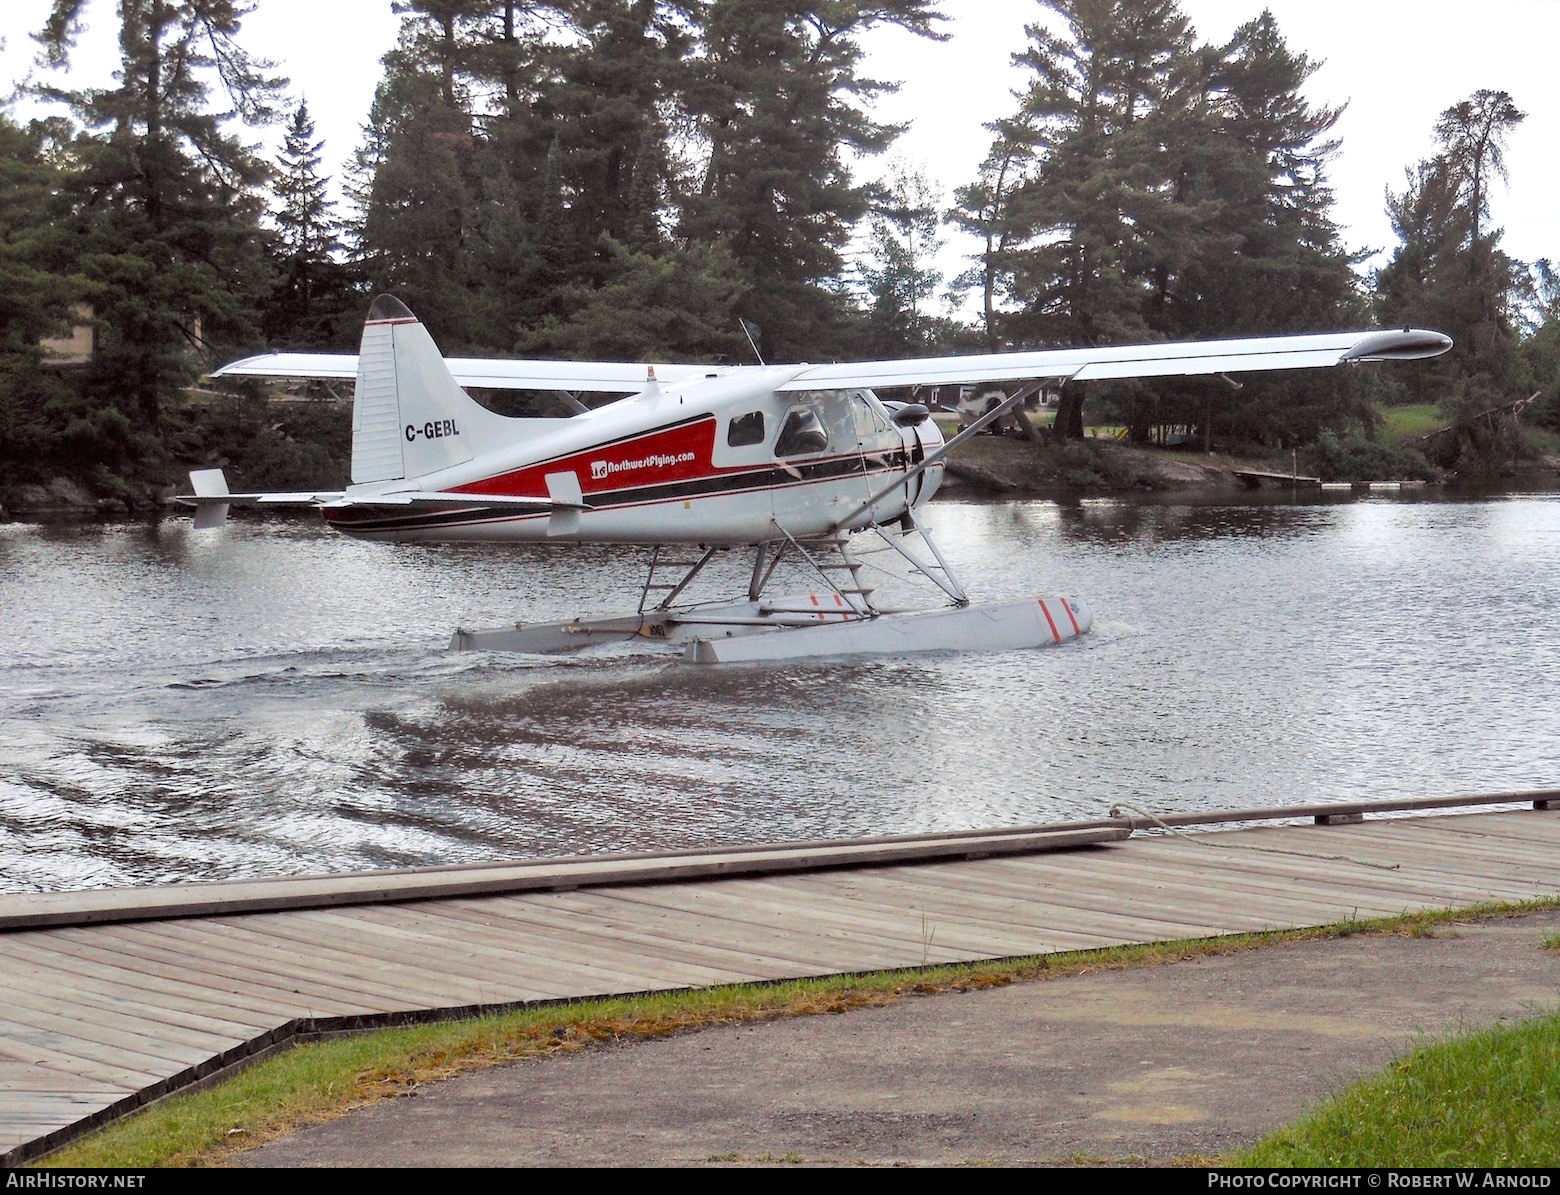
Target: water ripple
(272, 699)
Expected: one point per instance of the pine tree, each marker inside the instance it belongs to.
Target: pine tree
(41, 421)
(168, 199)
(304, 217)
(1448, 271)
(313, 303)
(1473, 135)
(607, 180)
(1164, 189)
(1540, 349)
(521, 165)
(900, 278)
(778, 101)
(1099, 222)
(1280, 265)
(985, 209)
(418, 188)
(1288, 271)
(679, 303)
(606, 99)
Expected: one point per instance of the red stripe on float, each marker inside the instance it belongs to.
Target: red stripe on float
(1070, 617)
(1051, 622)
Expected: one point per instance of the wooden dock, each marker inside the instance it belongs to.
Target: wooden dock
(113, 999)
(1255, 479)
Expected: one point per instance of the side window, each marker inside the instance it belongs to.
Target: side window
(869, 424)
(745, 430)
(801, 433)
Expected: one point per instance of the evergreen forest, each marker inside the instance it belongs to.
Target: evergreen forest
(643, 179)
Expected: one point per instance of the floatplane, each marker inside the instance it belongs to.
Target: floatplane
(790, 462)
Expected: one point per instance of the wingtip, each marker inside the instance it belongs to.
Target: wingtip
(243, 365)
(1409, 344)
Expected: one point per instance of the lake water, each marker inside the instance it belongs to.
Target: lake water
(273, 698)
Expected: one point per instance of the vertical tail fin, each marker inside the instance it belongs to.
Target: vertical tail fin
(409, 416)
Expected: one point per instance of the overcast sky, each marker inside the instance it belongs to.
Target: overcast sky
(1395, 63)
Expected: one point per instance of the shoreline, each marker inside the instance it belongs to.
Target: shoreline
(996, 466)
(1006, 466)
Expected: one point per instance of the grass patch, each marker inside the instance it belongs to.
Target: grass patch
(323, 1080)
(1416, 419)
(1552, 942)
(1478, 1099)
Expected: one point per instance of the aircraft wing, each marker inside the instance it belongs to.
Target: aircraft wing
(1167, 359)
(584, 377)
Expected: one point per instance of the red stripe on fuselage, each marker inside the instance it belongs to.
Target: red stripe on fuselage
(660, 457)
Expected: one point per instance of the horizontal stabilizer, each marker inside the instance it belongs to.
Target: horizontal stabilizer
(211, 498)
(301, 498)
(441, 498)
(216, 499)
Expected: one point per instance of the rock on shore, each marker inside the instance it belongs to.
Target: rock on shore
(61, 498)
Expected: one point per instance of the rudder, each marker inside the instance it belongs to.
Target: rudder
(409, 416)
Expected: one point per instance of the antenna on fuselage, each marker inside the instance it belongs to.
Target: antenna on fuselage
(754, 334)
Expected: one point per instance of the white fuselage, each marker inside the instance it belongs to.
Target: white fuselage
(725, 459)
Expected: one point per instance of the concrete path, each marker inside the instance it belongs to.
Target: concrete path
(1165, 1062)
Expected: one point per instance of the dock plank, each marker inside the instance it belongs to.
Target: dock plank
(187, 955)
(1174, 882)
(607, 947)
(1176, 897)
(95, 968)
(604, 942)
(554, 965)
(1408, 881)
(807, 943)
(979, 930)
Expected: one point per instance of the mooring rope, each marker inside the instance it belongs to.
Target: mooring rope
(1203, 840)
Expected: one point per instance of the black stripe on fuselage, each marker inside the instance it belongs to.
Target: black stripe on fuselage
(735, 482)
